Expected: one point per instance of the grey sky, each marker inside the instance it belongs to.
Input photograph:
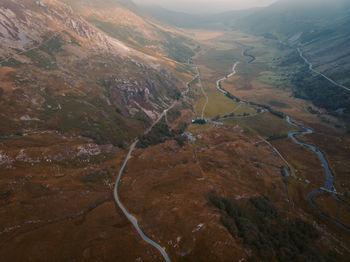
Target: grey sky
(206, 6)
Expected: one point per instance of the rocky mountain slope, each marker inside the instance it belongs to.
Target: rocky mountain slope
(125, 21)
(81, 79)
(60, 72)
(72, 97)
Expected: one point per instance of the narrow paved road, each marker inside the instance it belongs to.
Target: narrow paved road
(318, 73)
(129, 216)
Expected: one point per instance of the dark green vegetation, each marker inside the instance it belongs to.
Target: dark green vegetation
(276, 137)
(11, 63)
(4, 195)
(199, 121)
(96, 176)
(159, 134)
(271, 236)
(90, 120)
(315, 88)
(45, 55)
(322, 93)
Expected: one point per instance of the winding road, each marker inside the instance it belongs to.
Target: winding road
(311, 67)
(129, 216)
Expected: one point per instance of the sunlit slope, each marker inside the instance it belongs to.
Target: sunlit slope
(60, 72)
(126, 22)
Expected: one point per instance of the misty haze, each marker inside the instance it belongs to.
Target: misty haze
(163, 130)
(206, 6)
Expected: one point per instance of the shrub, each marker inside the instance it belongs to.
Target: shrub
(260, 226)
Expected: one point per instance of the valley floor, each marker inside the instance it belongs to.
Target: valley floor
(218, 197)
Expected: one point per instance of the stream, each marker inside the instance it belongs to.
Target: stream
(329, 182)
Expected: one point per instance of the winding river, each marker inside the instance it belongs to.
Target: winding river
(328, 186)
(329, 182)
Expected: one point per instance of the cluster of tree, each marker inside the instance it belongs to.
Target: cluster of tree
(277, 113)
(174, 93)
(229, 95)
(271, 237)
(199, 121)
(98, 138)
(291, 59)
(229, 115)
(320, 92)
(312, 111)
(161, 133)
(276, 137)
(216, 118)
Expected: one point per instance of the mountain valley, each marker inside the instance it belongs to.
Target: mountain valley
(213, 132)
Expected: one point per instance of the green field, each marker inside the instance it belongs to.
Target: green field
(264, 125)
(218, 105)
